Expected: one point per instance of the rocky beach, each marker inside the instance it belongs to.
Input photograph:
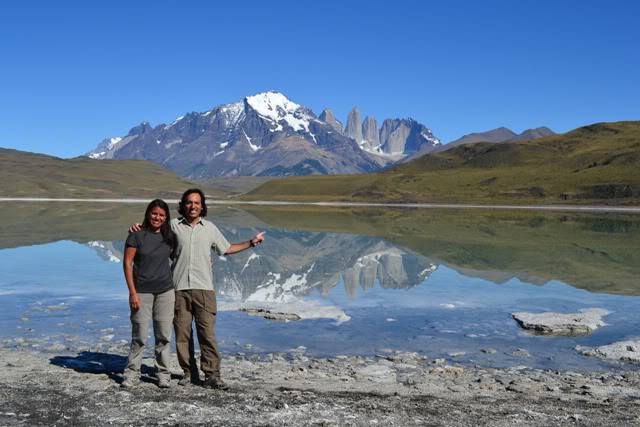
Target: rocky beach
(394, 388)
(66, 379)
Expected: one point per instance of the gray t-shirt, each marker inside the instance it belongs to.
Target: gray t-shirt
(151, 268)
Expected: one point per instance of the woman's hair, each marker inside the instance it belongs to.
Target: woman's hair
(183, 202)
(165, 229)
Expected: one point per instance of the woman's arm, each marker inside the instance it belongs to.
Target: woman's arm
(129, 255)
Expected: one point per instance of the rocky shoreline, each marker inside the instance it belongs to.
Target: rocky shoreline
(82, 389)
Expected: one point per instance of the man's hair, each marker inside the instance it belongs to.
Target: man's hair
(183, 202)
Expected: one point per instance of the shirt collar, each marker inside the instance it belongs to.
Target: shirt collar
(183, 220)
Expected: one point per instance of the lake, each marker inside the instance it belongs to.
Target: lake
(367, 280)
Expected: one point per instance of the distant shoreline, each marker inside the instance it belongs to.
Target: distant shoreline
(566, 208)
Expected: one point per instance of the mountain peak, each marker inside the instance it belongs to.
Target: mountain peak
(354, 125)
(534, 133)
(328, 117)
(271, 104)
(140, 129)
(278, 109)
(499, 135)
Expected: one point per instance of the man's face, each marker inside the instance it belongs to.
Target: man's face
(193, 206)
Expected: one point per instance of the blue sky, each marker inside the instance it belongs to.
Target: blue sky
(73, 73)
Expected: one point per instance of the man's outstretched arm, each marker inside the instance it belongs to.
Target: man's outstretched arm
(242, 246)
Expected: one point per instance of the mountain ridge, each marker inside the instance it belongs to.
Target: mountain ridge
(230, 140)
(498, 135)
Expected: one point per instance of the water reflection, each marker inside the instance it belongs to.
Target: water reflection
(314, 249)
(428, 281)
(599, 253)
(296, 264)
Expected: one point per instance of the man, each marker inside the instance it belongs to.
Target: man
(193, 281)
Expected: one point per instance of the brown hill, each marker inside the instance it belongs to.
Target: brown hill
(26, 174)
(593, 164)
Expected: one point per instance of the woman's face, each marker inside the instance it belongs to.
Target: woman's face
(157, 217)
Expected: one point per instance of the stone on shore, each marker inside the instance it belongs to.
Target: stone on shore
(378, 373)
(626, 351)
(584, 322)
(292, 310)
(270, 315)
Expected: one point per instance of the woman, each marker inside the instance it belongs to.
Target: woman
(151, 294)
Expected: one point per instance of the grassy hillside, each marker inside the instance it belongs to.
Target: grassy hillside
(594, 164)
(25, 174)
(234, 184)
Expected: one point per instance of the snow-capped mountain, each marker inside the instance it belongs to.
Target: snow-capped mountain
(266, 135)
(107, 148)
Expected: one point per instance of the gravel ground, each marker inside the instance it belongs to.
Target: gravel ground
(82, 389)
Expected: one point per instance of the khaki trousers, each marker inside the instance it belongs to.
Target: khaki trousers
(201, 306)
(158, 307)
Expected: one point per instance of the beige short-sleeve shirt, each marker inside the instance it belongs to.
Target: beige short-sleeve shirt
(192, 263)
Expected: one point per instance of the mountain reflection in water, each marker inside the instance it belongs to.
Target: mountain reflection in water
(294, 264)
(312, 248)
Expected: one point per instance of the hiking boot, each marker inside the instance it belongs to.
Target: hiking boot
(164, 383)
(192, 377)
(215, 383)
(129, 382)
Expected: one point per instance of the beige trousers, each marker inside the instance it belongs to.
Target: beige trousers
(160, 309)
